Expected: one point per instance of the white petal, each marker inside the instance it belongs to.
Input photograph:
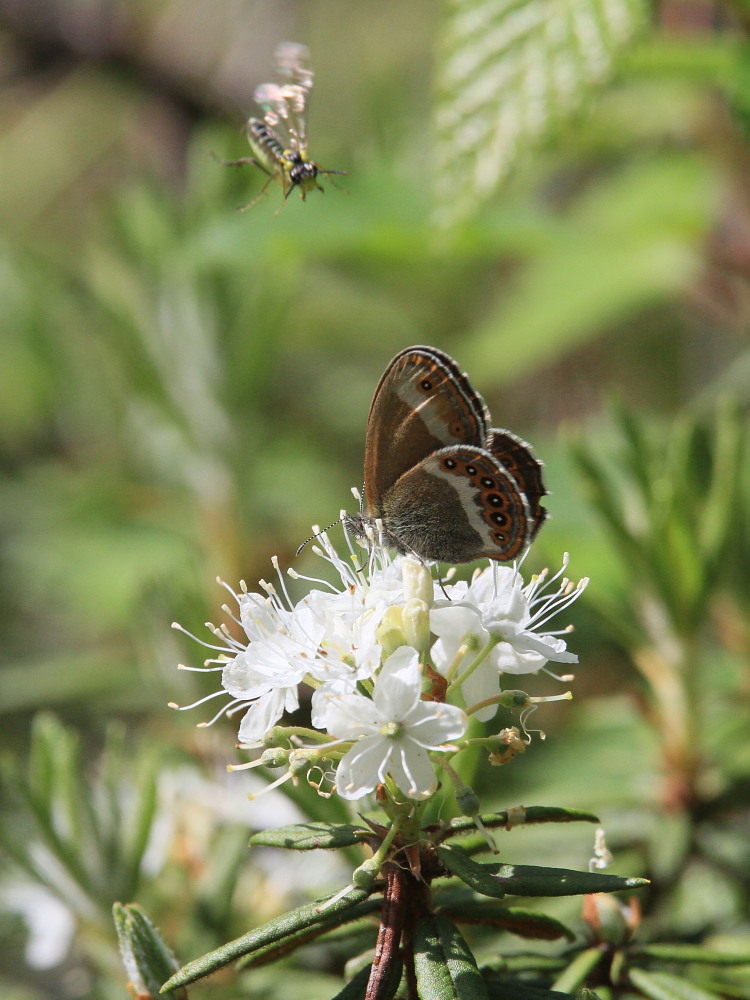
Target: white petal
(513, 661)
(398, 687)
(242, 680)
(265, 713)
(412, 770)
(358, 770)
(432, 723)
(483, 683)
(546, 646)
(455, 622)
(510, 606)
(349, 716)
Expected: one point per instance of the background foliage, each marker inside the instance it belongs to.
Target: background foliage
(555, 192)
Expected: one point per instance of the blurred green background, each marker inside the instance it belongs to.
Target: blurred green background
(556, 193)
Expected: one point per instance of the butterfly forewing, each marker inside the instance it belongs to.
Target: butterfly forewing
(423, 402)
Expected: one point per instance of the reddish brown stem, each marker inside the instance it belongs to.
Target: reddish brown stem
(386, 962)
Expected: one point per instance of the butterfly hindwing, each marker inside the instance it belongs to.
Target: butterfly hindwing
(456, 505)
(515, 456)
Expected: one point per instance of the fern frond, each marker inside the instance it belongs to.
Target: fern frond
(507, 70)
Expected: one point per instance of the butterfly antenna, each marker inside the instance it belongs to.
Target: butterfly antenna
(441, 584)
(316, 535)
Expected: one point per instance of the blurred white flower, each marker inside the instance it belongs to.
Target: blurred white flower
(50, 922)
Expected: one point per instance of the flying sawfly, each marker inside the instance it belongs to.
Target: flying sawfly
(278, 140)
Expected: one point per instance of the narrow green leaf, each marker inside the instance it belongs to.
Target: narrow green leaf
(542, 966)
(146, 957)
(284, 945)
(721, 506)
(445, 967)
(662, 986)
(321, 911)
(108, 817)
(356, 988)
(578, 970)
(41, 752)
(522, 816)
(216, 894)
(525, 923)
(477, 876)
(606, 499)
(497, 879)
(529, 880)
(311, 836)
(70, 855)
(500, 989)
(144, 805)
(692, 953)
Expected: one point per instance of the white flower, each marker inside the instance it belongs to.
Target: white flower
(394, 730)
(337, 639)
(496, 619)
(328, 637)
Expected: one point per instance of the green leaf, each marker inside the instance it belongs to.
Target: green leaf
(497, 879)
(505, 990)
(662, 986)
(146, 957)
(633, 239)
(322, 911)
(445, 967)
(506, 71)
(311, 836)
(579, 969)
(284, 945)
(691, 953)
(522, 816)
(356, 988)
(525, 923)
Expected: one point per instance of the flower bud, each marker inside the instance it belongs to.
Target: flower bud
(390, 632)
(467, 800)
(275, 757)
(514, 699)
(417, 581)
(364, 876)
(416, 623)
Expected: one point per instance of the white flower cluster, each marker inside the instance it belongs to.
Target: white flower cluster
(397, 661)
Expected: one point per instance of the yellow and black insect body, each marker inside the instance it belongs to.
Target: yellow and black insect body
(284, 115)
(291, 165)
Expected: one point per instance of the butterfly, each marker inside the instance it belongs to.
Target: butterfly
(278, 140)
(444, 484)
